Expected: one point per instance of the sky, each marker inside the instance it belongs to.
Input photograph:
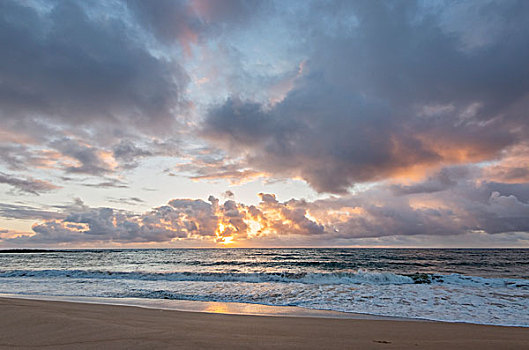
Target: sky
(232, 123)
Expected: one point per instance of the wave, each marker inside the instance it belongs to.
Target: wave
(358, 277)
(282, 277)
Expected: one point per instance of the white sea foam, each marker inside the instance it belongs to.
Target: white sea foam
(358, 277)
(454, 298)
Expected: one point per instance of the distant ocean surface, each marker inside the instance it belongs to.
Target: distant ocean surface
(488, 286)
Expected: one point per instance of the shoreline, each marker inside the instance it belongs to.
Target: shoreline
(233, 308)
(211, 307)
(26, 323)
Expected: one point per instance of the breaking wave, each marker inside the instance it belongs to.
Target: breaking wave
(331, 278)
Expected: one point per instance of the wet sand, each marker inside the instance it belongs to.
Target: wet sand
(28, 324)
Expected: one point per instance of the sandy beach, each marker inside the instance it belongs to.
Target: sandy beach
(28, 324)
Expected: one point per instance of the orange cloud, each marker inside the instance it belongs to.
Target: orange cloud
(512, 168)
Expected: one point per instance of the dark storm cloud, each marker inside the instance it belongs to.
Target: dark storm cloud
(27, 185)
(403, 88)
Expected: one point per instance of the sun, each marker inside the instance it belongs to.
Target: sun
(221, 232)
(227, 240)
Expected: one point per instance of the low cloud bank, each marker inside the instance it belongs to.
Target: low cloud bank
(450, 202)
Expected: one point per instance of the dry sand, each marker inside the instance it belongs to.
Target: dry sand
(65, 325)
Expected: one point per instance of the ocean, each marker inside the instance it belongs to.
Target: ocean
(484, 286)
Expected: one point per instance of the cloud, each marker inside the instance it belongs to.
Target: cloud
(20, 157)
(82, 68)
(27, 185)
(128, 153)
(24, 212)
(8, 234)
(187, 21)
(230, 11)
(460, 206)
(89, 159)
(180, 219)
(228, 194)
(169, 20)
(234, 177)
(210, 165)
(464, 206)
(84, 84)
(127, 200)
(512, 167)
(397, 92)
(108, 183)
(440, 181)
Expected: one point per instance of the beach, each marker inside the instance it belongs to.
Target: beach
(47, 324)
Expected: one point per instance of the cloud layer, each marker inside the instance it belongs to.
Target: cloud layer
(27, 185)
(449, 203)
(402, 90)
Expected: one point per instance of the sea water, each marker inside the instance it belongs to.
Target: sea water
(486, 286)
